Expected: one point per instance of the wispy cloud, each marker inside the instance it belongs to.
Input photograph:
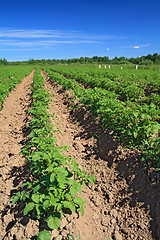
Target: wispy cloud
(22, 49)
(61, 42)
(52, 34)
(50, 42)
(136, 46)
(21, 33)
(36, 39)
(38, 44)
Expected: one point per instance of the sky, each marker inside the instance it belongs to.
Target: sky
(72, 29)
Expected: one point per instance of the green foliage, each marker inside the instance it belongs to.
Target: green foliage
(146, 62)
(9, 78)
(44, 235)
(128, 105)
(53, 223)
(56, 178)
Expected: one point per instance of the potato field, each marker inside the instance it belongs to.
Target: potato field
(79, 152)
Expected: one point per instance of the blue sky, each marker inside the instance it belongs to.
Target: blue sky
(72, 29)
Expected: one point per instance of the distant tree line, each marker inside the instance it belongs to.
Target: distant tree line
(3, 61)
(143, 60)
(146, 60)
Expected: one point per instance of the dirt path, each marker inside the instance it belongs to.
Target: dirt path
(13, 169)
(124, 202)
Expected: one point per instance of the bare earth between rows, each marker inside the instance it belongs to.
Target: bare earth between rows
(123, 204)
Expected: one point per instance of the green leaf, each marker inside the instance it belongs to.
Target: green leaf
(28, 184)
(79, 201)
(35, 198)
(29, 207)
(54, 201)
(35, 189)
(15, 199)
(37, 155)
(60, 178)
(53, 223)
(37, 209)
(49, 169)
(81, 209)
(68, 196)
(135, 114)
(73, 190)
(135, 134)
(157, 169)
(59, 207)
(46, 204)
(92, 179)
(52, 177)
(44, 235)
(71, 237)
(69, 205)
(156, 128)
(70, 181)
(129, 132)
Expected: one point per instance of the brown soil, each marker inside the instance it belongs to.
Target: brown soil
(123, 204)
(13, 167)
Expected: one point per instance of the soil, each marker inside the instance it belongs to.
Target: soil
(123, 204)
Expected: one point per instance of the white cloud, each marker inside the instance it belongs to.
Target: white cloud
(22, 49)
(145, 45)
(22, 39)
(107, 49)
(38, 43)
(59, 41)
(21, 33)
(136, 46)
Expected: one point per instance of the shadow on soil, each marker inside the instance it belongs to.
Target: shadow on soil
(20, 175)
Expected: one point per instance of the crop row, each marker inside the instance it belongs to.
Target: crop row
(10, 77)
(149, 79)
(127, 91)
(132, 123)
(56, 178)
(135, 88)
(7, 72)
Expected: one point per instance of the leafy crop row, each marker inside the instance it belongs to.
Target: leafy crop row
(140, 91)
(9, 78)
(56, 179)
(133, 87)
(133, 123)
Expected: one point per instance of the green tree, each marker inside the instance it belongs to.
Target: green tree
(146, 62)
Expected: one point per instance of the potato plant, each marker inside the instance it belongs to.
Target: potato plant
(9, 77)
(56, 179)
(135, 124)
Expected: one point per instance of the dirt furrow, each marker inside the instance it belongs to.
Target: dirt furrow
(13, 168)
(123, 204)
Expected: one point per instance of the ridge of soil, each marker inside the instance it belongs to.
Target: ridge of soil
(123, 204)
